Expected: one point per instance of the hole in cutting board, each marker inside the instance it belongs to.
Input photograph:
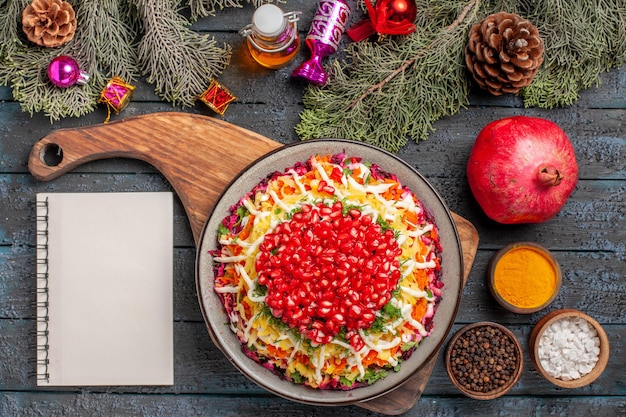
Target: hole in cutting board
(52, 155)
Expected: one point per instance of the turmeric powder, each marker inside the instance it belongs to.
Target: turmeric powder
(525, 277)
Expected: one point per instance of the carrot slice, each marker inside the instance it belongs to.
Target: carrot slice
(245, 232)
(419, 310)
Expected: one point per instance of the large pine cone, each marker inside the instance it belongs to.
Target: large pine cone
(49, 23)
(503, 53)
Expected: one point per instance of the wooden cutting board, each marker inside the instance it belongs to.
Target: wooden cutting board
(199, 156)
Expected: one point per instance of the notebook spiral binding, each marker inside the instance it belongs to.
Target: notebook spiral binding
(42, 291)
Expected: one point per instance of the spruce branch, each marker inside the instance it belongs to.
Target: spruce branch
(388, 92)
(178, 61)
(100, 45)
(383, 93)
(582, 40)
(11, 40)
(412, 60)
(110, 36)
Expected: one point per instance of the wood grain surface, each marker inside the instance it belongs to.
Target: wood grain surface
(587, 237)
(199, 155)
(199, 168)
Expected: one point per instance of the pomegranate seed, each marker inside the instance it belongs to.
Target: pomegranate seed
(357, 342)
(341, 292)
(335, 215)
(355, 311)
(368, 316)
(317, 325)
(327, 259)
(275, 273)
(332, 326)
(354, 213)
(338, 318)
(323, 311)
(326, 271)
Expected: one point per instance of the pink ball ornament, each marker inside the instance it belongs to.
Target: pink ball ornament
(64, 72)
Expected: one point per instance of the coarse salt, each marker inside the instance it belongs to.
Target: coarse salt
(569, 348)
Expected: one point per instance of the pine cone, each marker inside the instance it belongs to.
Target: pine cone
(504, 53)
(49, 23)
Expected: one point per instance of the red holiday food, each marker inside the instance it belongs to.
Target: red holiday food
(329, 272)
(522, 169)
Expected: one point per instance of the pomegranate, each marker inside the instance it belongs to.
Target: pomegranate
(325, 270)
(522, 169)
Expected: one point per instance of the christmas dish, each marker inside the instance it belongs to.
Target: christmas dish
(329, 272)
(329, 275)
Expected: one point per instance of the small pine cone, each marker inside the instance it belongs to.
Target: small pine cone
(49, 23)
(504, 53)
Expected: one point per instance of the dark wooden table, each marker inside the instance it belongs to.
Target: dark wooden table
(588, 238)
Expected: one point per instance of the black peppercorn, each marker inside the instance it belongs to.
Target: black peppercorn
(483, 359)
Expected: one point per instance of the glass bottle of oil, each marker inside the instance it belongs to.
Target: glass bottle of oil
(272, 37)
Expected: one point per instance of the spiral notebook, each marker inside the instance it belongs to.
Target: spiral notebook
(104, 289)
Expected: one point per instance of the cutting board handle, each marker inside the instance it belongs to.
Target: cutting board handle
(184, 147)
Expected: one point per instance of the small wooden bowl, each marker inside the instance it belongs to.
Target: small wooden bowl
(536, 248)
(497, 392)
(542, 325)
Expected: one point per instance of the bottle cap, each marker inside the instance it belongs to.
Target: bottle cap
(269, 20)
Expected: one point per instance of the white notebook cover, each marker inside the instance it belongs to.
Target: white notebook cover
(109, 260)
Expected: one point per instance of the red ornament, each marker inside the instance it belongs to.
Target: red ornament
(387, 17)
(116, 95)
(400, 8)
(217, 97)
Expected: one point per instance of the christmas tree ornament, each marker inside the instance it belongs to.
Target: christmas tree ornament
(217, 97)
(49, 23)
(272, 37)
(64, 72)
(387, 17)
(323, 39)
(116, 95)
(503, 53)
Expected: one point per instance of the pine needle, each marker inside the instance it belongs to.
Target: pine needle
(386, 93)
(10, 20)
(582, 40)
(390, 92)
(178, 61)
(99, 47)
